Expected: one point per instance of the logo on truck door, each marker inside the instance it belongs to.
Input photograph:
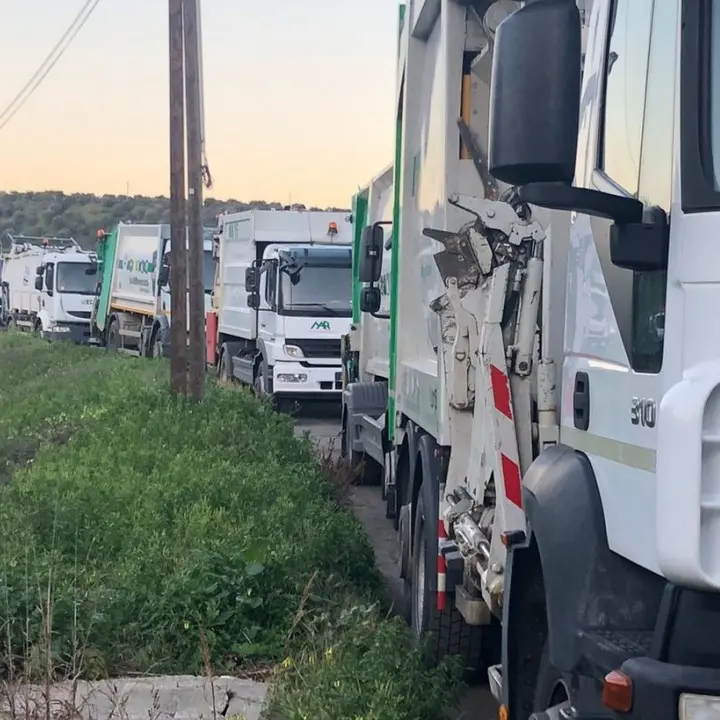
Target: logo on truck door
(320, 325)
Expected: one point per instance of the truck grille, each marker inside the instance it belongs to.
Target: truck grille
(317, 348)
(84, 314)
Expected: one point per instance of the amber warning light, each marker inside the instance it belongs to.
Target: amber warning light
(332, 228)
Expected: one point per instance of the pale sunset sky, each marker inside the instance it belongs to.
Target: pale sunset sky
(298, 97)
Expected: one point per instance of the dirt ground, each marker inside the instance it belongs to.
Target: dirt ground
(323, 424)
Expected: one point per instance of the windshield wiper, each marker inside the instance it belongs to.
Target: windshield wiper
(324, 306)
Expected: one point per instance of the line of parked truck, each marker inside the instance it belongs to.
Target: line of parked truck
(550, 463)
(277, 287)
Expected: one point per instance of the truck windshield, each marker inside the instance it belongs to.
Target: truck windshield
(323, 290)
(209, 271)
(76, 278)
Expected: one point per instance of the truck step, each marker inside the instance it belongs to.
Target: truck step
(609, 649)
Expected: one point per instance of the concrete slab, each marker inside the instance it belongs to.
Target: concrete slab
(176, 697)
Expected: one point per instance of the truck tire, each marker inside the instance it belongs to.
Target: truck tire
(551, 690)
(446, 631)
(261, 384)
(112, 340)
(156, 349)
(225, 371)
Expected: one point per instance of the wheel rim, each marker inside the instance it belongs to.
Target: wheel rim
(419, 584)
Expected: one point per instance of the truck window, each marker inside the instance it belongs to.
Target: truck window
(49, 276)
(271, 285)
(637, 154)
(208, 271)
(655, 186)
(317, 289)
(76, 278)
(714, 99)
(625, 82)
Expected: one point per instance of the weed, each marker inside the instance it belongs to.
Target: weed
(157, 518)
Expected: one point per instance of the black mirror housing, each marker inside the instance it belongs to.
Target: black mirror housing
(39, 282)
(370, 300)
(641, 246)
(371, 252)
(40, 270)
(253, 300)
(535, 94)
(164, 275)
(252, 279)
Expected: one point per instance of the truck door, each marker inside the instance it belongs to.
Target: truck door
(267, 316)
(614, 336)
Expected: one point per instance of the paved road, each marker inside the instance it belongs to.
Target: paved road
(323, 425)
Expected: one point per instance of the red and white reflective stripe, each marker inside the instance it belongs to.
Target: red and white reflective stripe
(508, 455)
(441, 562)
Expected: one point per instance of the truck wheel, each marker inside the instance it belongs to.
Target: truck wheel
(157, 349)
(225, 372)
(260, 386)
(112, 343)
(551, 689)
(446, 631)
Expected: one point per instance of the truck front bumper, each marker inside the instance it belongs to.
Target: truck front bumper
(307, 381)
(663, 691)
(78, 333)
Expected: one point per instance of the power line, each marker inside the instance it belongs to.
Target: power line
(49, 63)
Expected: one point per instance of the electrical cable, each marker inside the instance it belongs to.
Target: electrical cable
(49, 63)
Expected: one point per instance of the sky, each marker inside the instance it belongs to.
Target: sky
(298, 97)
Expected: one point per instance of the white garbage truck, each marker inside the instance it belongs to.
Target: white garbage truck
(132, 311)
(552, 414)
(282, 301)
(366, 348)
(48, 287)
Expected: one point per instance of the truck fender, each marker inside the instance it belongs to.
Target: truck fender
(363, 398)
(585, 585)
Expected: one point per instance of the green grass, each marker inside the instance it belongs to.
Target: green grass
(142, 533)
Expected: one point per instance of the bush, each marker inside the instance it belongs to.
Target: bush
(354, 663)
(156, 519)
(142, 533)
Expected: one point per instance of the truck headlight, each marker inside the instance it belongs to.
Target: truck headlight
(698, 707)
(293, 351)
(292, 377)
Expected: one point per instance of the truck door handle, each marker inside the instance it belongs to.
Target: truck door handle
(581, 401)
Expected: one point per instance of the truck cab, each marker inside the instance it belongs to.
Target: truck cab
(303, 310)
(48, 286)
(67, 283)
(282, 301)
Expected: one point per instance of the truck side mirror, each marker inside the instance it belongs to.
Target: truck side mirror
(253, 300)
(164, 275)
(252, 279)
(40, 270)
(370, 300)
(371, 251)
(535, 106)
(39, 282)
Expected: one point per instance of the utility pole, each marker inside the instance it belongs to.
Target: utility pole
(194, 110)
(178, 247)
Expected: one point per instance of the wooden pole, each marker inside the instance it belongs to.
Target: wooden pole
(195, 199)
(178, 247)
